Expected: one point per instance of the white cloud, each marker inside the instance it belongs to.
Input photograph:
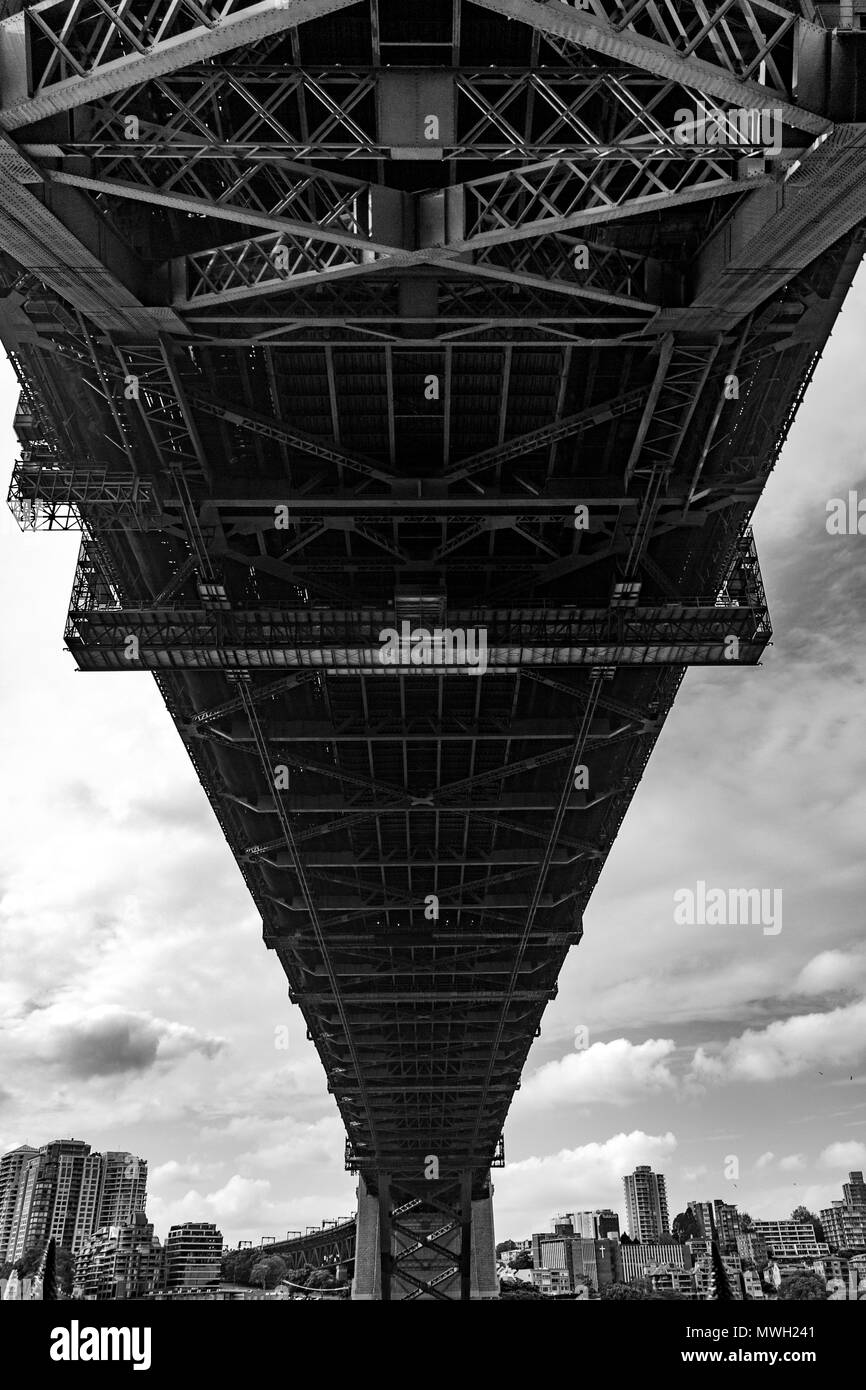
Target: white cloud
(831, 970)
(792, 1163)
(532, 1190)
(788, 1048)
(765, 1160)
(848, 1154)
(692, 1174)
(613, 1073)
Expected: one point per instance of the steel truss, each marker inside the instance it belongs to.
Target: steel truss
(301, 379)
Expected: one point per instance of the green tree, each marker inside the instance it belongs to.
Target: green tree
(237, 1264)
(746, 1222)
(267, 1272)
(804, 1215)
(29, 1263)
(515, 1289)
(506, 1245)
(803, 1284)
(686, 1227)
(522, 1261)
(624, 1293)
(720, 1287)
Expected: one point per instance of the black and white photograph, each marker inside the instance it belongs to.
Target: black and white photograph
(433, 678)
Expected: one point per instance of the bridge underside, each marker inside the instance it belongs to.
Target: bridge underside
(340, 325)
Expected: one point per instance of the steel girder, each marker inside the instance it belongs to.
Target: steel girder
(333, 1245)
(333, 114)
(58, 54)
(414, 837)
(717, 52)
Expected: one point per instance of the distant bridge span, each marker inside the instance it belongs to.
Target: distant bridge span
(322, 1249)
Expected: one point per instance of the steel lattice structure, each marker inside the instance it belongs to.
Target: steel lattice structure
(332, 316)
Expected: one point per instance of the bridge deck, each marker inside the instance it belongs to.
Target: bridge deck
(341, 326)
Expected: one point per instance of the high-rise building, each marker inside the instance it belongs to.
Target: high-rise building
(597, 1224)
(646, 1205)
(123, 1189)
(727, 1219)
(854, 1192)
(193, 1253)
(119, 1261)
(76, 1196)
(65, 1191)
(52, 1186)
(12, 1166)
(703, 1214)
(845, 1222)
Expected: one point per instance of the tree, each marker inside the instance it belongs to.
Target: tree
(506, 1245)
(29, 1263)
(522, 1261)
(805, 1216)
(746, 1222)
(720, 1288)
(686, 1227)
(803, 1284)
(513, 1288)
(237, 1264)
(624, 1293)
(267, 1272)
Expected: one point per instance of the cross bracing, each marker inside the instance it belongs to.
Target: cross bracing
(305, 367)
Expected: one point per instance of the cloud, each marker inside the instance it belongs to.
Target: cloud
(614, 1073)
(692, 1174)
(248, 1206)
(170, 1173)
(765, 1160)
(849, 1154)
(305, 1143)
(788, 1048)
(530, 1191)
(792, 1163)
(110, 1041)
(831, 970)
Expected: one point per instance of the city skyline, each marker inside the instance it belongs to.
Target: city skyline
(63, 1190)
(115, 1201)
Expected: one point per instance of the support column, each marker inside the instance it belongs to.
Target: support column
(469, 1245)
(386, 1240)
(367, 1283)
(484, 1281)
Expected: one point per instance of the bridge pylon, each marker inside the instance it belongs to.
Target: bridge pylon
(425, 1239)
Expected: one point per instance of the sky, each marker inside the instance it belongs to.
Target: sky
(140, 1010)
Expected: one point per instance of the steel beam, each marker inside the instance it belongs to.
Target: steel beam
(165, 41)
(607, 34)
